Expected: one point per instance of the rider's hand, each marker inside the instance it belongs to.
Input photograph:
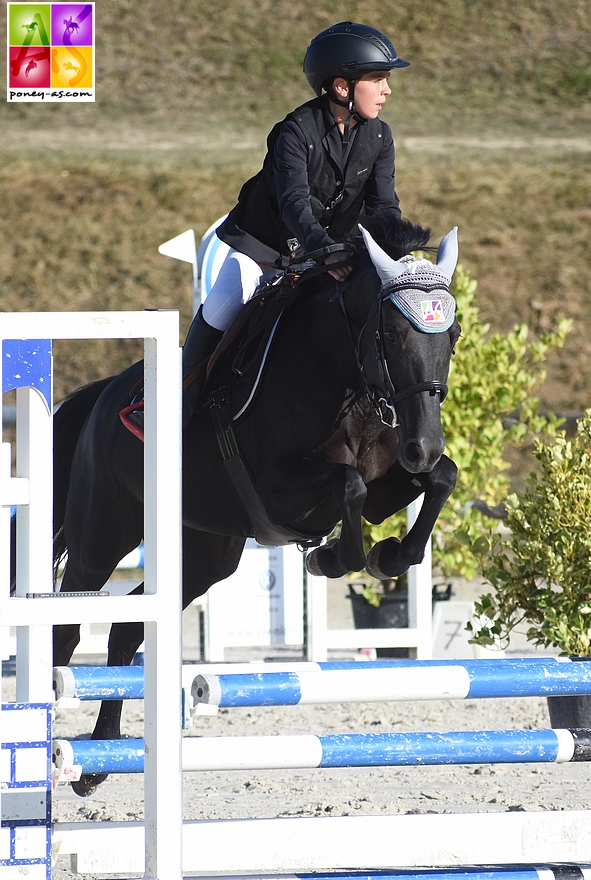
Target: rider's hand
(343, 272)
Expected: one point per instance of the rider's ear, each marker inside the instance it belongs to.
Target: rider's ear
(340, 87)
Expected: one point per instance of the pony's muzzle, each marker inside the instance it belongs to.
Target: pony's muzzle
(420, 455)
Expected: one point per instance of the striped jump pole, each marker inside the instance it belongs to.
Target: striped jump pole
(252, 684)
(416, 680)
(120, 683)
(127, 682)
(526, 872)
(344, 750)
(98, 682)
(339, 845)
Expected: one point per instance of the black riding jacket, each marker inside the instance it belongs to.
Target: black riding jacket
(312, 189)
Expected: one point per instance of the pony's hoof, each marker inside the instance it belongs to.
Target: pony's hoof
(312, 566)
(88, 784)
(384, 560)
(323, 561)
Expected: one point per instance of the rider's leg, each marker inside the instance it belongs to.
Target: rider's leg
(236, 282)
(238, 278)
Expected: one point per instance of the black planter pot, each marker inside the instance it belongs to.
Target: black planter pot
(392, 612)
(572, 711)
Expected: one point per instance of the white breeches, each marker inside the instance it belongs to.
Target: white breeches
(238, 278)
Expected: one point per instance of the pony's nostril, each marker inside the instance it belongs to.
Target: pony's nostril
(414, 452)
(421, 454)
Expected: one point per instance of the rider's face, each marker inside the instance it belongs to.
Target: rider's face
(371, 92)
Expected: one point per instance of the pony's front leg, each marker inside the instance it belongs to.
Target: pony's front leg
(344, 554)
(391, 557)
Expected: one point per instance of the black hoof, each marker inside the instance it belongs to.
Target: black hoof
(312, 564)
(384, 560)
(88, 784)
(324, 562)
(317, 559)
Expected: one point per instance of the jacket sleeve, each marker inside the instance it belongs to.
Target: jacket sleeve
(290, 169)
(381, 190)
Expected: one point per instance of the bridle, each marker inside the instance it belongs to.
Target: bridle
(373, 365)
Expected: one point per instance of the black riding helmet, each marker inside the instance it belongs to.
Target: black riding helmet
(348, 50)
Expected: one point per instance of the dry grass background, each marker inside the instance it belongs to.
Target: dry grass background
(491, 121)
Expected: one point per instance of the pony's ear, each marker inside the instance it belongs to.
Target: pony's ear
(387, 268)
(447, 253)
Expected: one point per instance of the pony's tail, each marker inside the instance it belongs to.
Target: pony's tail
(67, 425)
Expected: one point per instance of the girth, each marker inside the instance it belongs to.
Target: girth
(262, 529)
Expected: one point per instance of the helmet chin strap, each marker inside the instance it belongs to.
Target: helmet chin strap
(349, 103)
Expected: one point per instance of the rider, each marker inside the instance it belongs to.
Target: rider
(327, 162)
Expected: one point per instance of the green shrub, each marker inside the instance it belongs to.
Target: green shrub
(541, 572)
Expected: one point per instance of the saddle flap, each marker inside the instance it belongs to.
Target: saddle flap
(242, 351)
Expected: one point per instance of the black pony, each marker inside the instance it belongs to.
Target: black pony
(344, 424)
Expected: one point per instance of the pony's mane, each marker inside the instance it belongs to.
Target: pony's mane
(395, 235)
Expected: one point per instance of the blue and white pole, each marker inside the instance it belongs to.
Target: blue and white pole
(522, 872)
(250, 684)
(345, 750)
(402, 680)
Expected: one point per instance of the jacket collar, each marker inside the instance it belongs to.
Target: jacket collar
(332, 140)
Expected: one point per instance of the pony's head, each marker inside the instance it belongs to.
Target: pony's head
(406, 345)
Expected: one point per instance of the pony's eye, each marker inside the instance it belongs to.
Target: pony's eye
(390, 337)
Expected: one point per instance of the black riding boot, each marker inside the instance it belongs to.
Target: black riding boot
(201, 342)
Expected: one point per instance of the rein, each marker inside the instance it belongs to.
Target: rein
(385, 398)
(306, 266)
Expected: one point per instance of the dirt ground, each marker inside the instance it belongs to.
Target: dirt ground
(335, 792)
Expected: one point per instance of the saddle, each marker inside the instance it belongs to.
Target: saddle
(243, 351)
(245, 345)
(246, 342)
(237, 349)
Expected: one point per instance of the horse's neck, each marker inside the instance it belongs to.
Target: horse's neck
(360, 298)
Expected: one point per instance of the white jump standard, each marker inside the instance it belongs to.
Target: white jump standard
(33, 610)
